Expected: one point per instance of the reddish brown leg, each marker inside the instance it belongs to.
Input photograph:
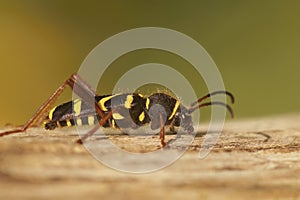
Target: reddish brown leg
(81, 88)
(39, 112)
(92, 131)
(162, 131)
(84, 91)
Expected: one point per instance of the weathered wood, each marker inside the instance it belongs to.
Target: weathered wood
(257, 158)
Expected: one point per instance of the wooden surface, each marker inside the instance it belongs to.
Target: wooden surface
(253, 159)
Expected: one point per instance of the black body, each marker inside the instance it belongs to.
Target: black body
(130, 111)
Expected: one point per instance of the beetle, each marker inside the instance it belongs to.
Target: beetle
(127, 110)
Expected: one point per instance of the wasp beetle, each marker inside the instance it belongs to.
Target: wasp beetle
(127, 110)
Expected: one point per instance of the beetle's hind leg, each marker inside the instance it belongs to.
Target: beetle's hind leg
(78, 85)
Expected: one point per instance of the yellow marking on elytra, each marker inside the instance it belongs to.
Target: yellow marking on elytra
(68, 122)
(58, 124)
(174, 110)
(91, 120)
(128, 101)
(79, 122)
(51, 113)
(113, 123)
(117, 116)
(142, 116)
(147, 103)
(77, 106)
(102, 102)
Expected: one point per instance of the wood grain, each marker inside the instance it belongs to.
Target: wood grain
(255, 158)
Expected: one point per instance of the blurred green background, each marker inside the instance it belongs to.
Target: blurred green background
(255, 44)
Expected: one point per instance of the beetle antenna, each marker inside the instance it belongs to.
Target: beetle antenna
(192, 109)
(212, 94)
